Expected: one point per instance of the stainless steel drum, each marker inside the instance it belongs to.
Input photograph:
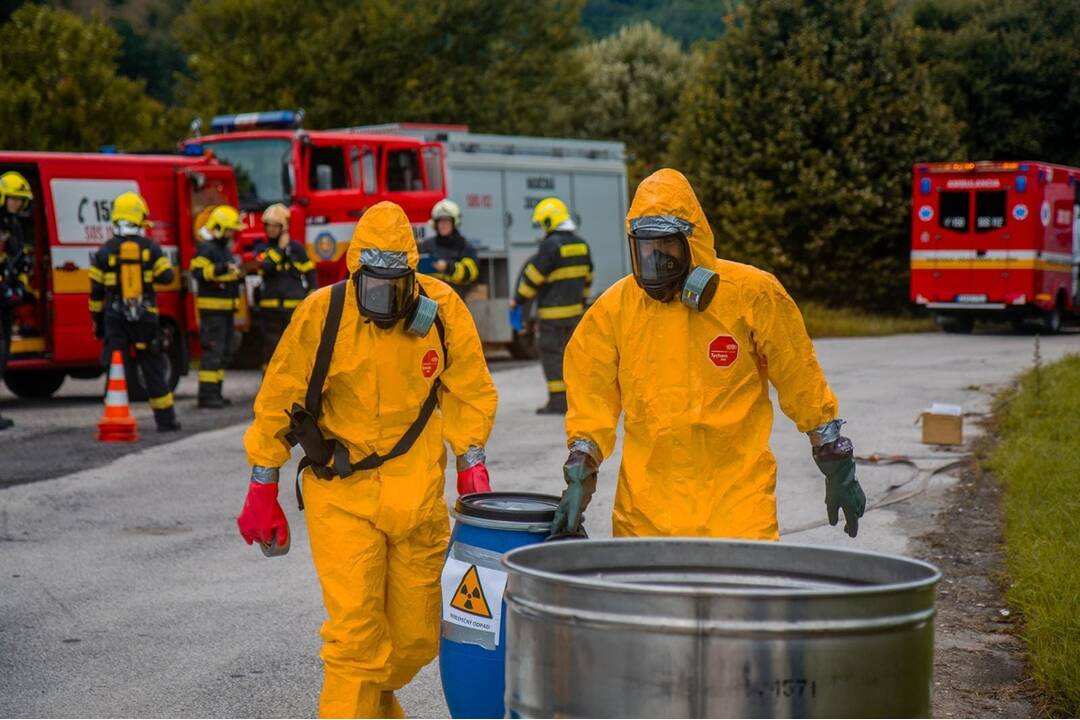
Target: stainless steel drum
(713, 628)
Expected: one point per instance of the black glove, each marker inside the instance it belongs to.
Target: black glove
(580, 474)
(99, 329)
(842, 491)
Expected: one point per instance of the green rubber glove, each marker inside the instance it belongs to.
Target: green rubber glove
(842, 491)
(580, 474)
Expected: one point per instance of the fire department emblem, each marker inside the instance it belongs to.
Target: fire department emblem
(1044, 213)
(325, 246)
(723, 351)
(1020, 211)
(926, 213)
(430, 363)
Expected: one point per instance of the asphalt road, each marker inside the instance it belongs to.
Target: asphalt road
(125, 590)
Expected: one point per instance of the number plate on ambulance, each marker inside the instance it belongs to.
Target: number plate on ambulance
(971, 298)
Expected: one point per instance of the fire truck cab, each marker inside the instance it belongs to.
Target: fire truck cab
(67, 221)
(995, 240)
(327, 179)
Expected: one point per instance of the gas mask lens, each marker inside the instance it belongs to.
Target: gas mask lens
(660, 259)
(385, 294)
(660, 263)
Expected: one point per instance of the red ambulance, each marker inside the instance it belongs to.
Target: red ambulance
(67, 222)
(995, 241)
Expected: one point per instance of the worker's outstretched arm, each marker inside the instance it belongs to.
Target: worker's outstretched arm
(285, 383)
(591, 371)
(468, 396)
(781, 339)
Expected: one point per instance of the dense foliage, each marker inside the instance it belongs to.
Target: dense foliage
(60, 89)
(799, 135)
(798, 122)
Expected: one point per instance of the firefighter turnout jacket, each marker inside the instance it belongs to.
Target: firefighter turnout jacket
(459, 254)
(219, 287)
(559, 276)
(14, 263)
(288, 276)
(123, 272)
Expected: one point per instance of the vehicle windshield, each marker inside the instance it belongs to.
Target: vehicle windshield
(262, 169)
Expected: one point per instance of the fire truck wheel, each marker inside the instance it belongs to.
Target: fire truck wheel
(1051, 322)
(523, 346)
(957, 325)
(34, 383)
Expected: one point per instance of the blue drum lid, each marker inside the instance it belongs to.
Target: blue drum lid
(508, 506)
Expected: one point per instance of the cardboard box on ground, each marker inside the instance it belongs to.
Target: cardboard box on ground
(943, 425)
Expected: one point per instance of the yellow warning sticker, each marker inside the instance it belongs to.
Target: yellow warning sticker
(469, 595)
(472, 594)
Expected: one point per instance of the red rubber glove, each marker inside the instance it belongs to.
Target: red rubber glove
(262, 520)
(473, 480)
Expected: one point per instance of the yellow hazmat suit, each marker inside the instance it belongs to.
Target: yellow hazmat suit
(378, 537)
(694, 389)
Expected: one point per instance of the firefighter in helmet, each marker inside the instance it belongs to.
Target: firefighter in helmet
(559, 278)
(15, 196)
(218, 279)
(452, 258)
(288, 275)
(123, 273)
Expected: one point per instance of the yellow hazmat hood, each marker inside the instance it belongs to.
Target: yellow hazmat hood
(668, 192)
(383, 226)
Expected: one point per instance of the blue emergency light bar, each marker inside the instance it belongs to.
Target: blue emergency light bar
(272, 120)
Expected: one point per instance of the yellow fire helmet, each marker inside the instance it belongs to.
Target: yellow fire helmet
(550, 213)
(223, 218)
(277, 214)
(14, 185)
(131, 208)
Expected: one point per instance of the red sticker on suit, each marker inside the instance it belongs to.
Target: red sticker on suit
(723, 350)
(430, 363)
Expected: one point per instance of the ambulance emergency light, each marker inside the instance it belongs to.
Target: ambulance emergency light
(270, 120)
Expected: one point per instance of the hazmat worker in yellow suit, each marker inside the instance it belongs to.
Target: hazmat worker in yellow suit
(685, 349)
(407, 372)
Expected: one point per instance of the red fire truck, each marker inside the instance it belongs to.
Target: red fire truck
(995, 240)
(328, 178)
(69, 218)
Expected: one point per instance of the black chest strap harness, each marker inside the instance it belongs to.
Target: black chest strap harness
(330, 458)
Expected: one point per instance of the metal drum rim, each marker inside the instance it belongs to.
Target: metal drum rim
(512, 525)
(672, 589)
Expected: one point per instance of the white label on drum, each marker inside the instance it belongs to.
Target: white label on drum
(472, 598)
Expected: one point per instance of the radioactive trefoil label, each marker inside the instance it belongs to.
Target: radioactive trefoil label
(472, 599)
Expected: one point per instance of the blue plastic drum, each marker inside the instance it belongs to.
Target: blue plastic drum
(472, 649)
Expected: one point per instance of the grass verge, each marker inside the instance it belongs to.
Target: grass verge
(1038, 460)
(824, 322)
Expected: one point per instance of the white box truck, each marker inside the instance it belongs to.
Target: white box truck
(498, 179)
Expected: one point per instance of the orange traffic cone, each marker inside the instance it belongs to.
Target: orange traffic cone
(117, 424)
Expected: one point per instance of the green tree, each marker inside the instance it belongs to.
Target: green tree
(685, 20)
(499, 66)
(632, 87)
(60, 90)
(1008, 69)
(799, 134)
